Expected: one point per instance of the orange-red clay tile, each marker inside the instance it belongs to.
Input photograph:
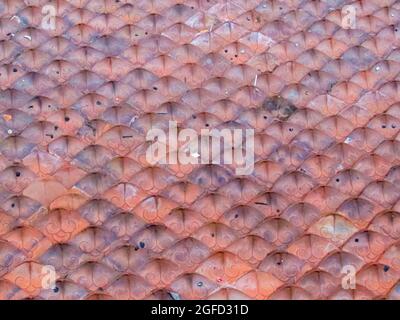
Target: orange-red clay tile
(80, 202)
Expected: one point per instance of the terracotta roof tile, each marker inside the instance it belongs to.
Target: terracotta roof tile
(79, 195)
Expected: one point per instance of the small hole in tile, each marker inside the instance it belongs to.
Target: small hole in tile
(17, 174)
(226, 50)
(207, 125)
(384, 126)
(356, 240)
(56, 289)
(141, 244)
(212, 235)
(98, 103)
(66, 119)
(290, 129)
(55, 128)
(393, 126)
(155, 88)
(386, 268)
(337, 179)
(12, 205)
(15, 70)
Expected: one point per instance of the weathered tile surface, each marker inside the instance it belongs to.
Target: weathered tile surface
(77, 193)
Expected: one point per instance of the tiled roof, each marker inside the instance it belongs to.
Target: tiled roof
(77, 192)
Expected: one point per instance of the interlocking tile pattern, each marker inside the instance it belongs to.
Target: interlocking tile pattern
(77, 193)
